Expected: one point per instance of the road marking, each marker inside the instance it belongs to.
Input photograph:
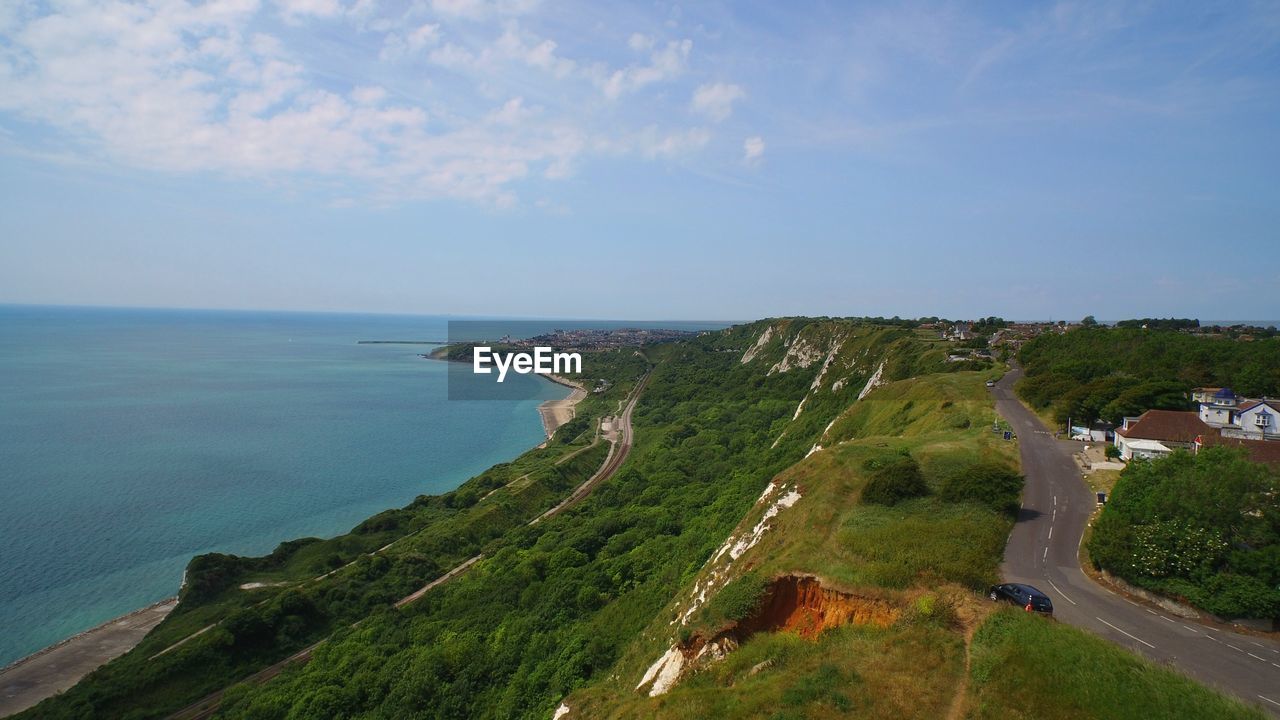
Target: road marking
(1191, 629)
(1273, 702)
(1276, 664)
(1055, 587)
(1045, 556)
(1233, 647)
(1255, 657)
(1055, 501)
(1135, 637)
(1153, 612)
(1050, 534)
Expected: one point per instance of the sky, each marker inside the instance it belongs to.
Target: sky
(643, 160)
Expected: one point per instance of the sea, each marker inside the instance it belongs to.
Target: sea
(134, 439)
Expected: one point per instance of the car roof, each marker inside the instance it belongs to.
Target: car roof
(1029, 589)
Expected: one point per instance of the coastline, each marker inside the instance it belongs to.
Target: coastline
(47, 672)
(558, 412)
(27, 681)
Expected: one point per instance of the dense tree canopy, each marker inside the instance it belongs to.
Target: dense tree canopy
(1204, 527)
(1107, 373)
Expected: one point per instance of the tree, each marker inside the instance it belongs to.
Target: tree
(1089, 321)
(898, 480)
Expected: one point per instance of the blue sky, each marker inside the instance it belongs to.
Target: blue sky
(643, 160)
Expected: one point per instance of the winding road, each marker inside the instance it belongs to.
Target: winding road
(1043, 551)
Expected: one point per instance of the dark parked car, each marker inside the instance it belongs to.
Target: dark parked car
(1023, 596)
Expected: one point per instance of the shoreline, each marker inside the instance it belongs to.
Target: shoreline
(89, 649)
(558, 412)
(27, 681)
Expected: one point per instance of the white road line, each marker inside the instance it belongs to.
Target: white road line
(1276, 664)
(1055, 501)
(1273, 702)
(1050, 532)
(1255, 657)
(1153, 612)
(1191, 629)
(1233, 647)
(1045, 556)
(1135, 637)
(1055, 587)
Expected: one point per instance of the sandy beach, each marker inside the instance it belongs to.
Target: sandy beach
(59, 666)
(558, 412)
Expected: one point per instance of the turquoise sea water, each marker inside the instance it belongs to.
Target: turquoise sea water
(131, 440)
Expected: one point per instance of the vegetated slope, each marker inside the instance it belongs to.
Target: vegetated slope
(1025, 667)
(550, 604)
(822, 603)
(1107, 373)
(883, 594)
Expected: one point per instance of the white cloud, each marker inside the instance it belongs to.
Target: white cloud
(752, 149)
(640, 42)
(482, 9)
(368, 95)
(664, 63)
(397, 44)
(181, 87)
(715, 100)
(294, 10)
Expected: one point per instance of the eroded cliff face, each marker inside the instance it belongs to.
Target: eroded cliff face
(792, 603)
(800, 604)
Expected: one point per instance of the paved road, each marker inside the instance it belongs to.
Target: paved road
(1043, 550)
(57, 668)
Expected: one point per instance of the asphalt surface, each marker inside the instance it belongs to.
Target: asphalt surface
(1043, 550)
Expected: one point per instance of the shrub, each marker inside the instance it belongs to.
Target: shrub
(895, 481)
(736, 599)
(987, 483)
(1112, 452)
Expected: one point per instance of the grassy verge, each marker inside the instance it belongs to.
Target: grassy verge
(1029, 667)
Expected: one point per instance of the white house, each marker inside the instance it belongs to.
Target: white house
(1218, 406)
(1159, 432)
(1256, 420)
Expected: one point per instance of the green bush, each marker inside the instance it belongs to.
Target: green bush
(899, 479)
(735, 600)
(1112, 452)
(1203, 527)
(987, 483)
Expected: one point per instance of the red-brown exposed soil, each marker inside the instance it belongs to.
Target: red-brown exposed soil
(800, 604)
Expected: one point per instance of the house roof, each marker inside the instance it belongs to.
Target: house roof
(1166, 425)
(1260, 451)
(1273, 404)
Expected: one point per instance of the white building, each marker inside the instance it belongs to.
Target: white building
(1159, 432)
(1218, 406)
(1256, 420)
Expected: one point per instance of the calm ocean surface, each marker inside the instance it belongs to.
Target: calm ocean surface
(131, 440)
